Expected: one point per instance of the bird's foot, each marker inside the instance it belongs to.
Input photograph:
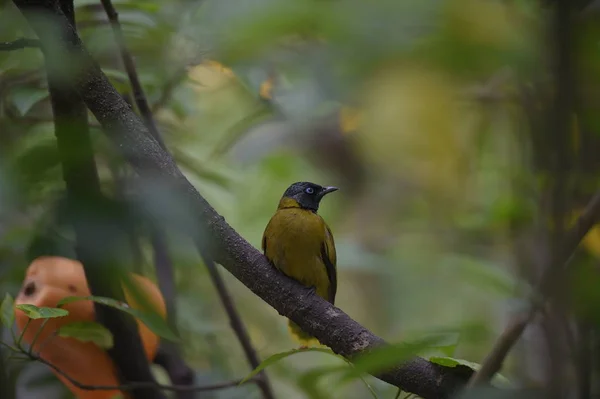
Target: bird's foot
(311, 290)
(302, 347)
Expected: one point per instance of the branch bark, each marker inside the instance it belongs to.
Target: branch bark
(318, 317)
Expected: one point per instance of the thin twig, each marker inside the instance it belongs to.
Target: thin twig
(169, 354)
(237, 325)
(9, 347)
(19, 44)
(572, 238)
(563, 244)
(138, 90)
(167, 90)
(560, 155)
(37, 335)
(589, 217)
(502, 347)
(584, 361)
(139, 385)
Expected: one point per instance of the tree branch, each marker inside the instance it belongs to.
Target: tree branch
(5, 385)
(19, 44)
(312, 313)
(238, 326)
(138, 90)
(494, 360)
(512, 333)
(169, 355)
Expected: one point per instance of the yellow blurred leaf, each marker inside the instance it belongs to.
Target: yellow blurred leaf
(413, 127)
(591, 241)
(481, 22)
(210, 75)
(350, 119)
(266, 89)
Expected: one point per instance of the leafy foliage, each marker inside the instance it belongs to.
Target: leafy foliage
(280, 356)
(498, 379)
(439, 171)
(150, 319)
(87, 331)
(34, 312)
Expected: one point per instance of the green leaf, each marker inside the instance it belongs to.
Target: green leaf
(36, 161)
(33, 312)
(453, 362)
(152, 320)
(384, 357)
(445, 344)
(160, 374)
(281, 19)
(7, 312)
(498, 380)
(308, 381)
(116, 75)
(25, 98)
(369, 387)
(202, 170)
(88, 331)
(282, 355)
(487, 276)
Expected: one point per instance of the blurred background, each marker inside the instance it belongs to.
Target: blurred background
(432, 117)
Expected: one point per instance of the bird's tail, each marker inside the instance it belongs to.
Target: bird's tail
(299, 335)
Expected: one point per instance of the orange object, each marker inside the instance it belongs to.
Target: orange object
(48, 280)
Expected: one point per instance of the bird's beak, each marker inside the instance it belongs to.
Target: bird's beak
(327, 190)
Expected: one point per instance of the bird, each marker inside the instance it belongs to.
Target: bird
(299, 243)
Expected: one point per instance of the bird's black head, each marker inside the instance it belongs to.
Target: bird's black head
(307, 195)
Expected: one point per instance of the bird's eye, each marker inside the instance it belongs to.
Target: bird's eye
(309, 190)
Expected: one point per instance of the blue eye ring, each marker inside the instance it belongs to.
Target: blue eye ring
(309, 190)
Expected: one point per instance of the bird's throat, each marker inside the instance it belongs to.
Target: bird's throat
(287, 202)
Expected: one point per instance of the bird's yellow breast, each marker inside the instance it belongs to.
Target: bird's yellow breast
(293, 242)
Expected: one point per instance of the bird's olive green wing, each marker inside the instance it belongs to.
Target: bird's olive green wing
(264, 243)
(268, 239)
(329, 257)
